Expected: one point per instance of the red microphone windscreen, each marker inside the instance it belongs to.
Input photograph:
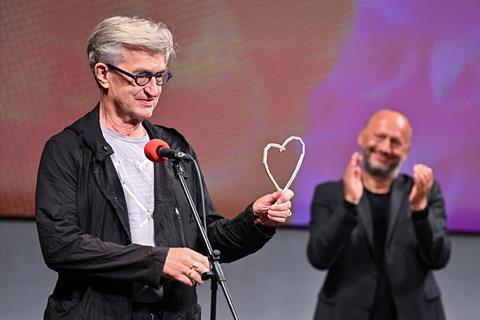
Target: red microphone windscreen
(151, 150)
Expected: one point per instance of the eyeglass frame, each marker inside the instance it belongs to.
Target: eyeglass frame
(145, 74)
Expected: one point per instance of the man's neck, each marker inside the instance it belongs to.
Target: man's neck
(376, 184)
(125, 127)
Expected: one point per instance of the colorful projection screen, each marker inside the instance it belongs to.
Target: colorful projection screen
(248, 73)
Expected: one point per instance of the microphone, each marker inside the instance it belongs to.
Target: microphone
(157, 150)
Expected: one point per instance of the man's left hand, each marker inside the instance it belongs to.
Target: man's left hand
(273, 209)
(422, 184)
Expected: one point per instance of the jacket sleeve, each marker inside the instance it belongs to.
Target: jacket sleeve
(239, 236)
(331, 225)
(431, 230)
(67, 248)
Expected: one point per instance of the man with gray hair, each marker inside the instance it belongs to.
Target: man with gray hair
(380, 234)
(116, 227)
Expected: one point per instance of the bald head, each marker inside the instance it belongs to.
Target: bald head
(393, 119)
(385, 141)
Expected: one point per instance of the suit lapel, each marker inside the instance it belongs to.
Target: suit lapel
(164, 205)
(109, 184)
(104, 172)
(397, 198)
(364, 213)
(164, 196)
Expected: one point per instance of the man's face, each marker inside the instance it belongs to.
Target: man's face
(385, 143)
(131, 102)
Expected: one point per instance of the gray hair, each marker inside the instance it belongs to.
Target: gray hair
(111, 36)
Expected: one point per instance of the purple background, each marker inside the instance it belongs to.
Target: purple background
(422, 58)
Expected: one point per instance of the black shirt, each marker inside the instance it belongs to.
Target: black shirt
(383, 305)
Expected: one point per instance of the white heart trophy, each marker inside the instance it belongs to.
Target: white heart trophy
(282, 148)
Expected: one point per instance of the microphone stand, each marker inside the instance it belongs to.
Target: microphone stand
(217, 275)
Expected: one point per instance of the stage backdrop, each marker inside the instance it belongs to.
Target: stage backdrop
(252, 72)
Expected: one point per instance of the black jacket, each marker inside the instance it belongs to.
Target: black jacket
(84, 232)
(341, 241)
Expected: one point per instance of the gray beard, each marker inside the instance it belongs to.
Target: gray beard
(390, 172)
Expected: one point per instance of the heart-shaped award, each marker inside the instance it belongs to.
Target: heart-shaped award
(282, 148)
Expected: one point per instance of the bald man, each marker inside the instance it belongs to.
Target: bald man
(380, 234)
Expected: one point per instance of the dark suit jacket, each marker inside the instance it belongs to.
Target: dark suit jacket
(84, 231)
(341, 240)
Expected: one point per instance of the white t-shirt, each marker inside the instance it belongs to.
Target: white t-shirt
(135, 172)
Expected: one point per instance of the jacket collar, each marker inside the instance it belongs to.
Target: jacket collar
(88, 127)
(398, 200)
(398, 196)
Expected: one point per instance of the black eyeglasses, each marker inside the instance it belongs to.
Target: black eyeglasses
(143, 78)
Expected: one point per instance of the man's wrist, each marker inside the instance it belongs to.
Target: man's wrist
(417, 207)
(350, 200)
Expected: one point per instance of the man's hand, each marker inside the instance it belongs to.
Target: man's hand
(422, 184)
(273, 209)
(352, 180)
(185, 265)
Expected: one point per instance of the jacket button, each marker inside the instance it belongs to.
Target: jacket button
(106, 148)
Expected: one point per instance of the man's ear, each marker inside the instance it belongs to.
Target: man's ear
(101, 74)
(361, 138)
